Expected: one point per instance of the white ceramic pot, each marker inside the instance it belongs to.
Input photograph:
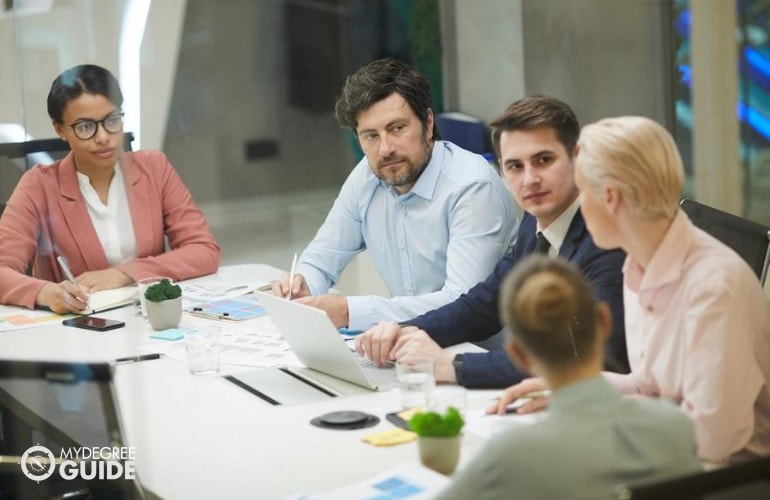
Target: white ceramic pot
(440, 453)
(164, 314)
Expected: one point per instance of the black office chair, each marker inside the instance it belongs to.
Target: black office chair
(54, 147)
(24, 155)
(749, 239)
(746, 481)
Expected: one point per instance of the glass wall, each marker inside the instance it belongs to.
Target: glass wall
(753, 101)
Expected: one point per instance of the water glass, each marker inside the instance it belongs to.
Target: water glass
(416, 381)
(449, 396)
(202, 345)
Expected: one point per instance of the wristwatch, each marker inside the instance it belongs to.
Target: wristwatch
(457, 363)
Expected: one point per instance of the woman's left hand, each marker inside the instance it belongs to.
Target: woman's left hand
(106, 279)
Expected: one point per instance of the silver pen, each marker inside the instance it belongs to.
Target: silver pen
(66, 269)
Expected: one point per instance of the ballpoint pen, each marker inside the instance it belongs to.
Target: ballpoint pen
(134, 359)
(66, 269)
(524, 399)
(291, 276)
(201, 313)
(68, 273)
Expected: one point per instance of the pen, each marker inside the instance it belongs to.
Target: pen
(66, 268)
(525, 398)
(198, 311)
(134, 359)
(291, 276)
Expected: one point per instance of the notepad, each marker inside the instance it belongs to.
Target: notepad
(105, 300)
(238, 309)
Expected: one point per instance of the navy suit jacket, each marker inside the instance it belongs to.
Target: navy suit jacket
(474, 315)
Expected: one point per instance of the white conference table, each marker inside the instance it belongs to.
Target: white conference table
(205, 437)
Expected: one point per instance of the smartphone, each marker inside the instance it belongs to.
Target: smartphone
(92, 323)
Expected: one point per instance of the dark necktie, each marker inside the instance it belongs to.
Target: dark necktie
(542, 244)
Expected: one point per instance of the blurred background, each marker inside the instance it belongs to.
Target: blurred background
(240, 93)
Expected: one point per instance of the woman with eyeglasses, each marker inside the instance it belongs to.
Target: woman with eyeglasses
(106, 211)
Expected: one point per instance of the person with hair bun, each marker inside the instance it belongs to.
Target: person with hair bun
(108, 212)
(594, 439)
(697, 320)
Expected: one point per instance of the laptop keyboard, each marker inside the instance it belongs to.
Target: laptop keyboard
(383, 377)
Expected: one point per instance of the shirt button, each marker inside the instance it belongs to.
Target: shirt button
(399, 205)
(400, 246)
(408, 288)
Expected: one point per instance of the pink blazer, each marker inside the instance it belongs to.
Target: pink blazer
(46, 216)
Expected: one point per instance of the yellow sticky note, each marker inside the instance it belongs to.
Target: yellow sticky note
(407, 415)
(390, 437)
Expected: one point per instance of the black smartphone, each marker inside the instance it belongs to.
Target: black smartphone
(92, 323)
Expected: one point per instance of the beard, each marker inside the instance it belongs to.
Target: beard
(411, 172)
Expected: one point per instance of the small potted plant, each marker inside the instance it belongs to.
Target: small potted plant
(164, 305)
(438, 439)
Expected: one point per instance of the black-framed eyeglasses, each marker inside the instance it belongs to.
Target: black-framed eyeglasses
(86, 129)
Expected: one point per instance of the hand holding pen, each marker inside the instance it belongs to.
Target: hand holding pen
(527, 396)
(291, 285)
(66, 296)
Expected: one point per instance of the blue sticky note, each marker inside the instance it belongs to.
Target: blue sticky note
(170, 334)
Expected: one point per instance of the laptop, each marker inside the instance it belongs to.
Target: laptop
(51, 409)
(319, 346)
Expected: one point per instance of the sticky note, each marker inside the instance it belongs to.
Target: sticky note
(390, 437)
(170, 334)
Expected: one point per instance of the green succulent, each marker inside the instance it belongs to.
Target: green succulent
(162, 291)
(431, 424)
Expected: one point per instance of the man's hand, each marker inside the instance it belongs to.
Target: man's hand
(106, 279)
(62, 297)
(299, 287)
(336, 306)
(522, 389)
(419, 344)
(377, 343)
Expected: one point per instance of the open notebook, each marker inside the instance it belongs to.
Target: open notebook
(105, 300)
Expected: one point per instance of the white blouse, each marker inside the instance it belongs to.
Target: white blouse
(119, 245)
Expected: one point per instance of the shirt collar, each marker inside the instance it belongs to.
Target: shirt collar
(667, 263)
(426, 183)
(557, 230)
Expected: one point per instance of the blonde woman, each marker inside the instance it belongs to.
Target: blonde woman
(697, 321)
(594, 438)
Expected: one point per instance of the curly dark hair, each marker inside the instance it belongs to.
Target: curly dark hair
(378, 80)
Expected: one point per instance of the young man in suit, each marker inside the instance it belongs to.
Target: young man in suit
(536, 142)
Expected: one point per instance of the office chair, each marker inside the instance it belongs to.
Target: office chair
(24, 155)
(54, 147)
(749, 239)
(746, 481)
(466, 131)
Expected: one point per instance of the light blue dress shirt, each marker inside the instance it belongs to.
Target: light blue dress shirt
(593, 440)
(429, 245)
